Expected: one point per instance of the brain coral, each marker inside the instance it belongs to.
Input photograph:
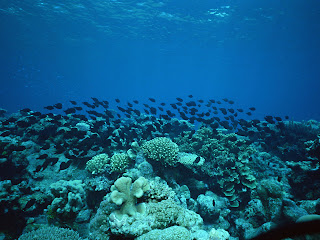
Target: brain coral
(161, 149)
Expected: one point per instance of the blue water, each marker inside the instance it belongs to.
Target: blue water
(259, 53)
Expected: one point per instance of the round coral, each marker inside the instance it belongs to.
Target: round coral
(161, 149)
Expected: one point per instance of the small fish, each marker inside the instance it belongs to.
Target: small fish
(25, 110)
(70, 110)
(152, 99)
(73, 102)
(279, 119)
(179, 99)
(58, 105)
(49, 107)
(136, 101)
(153, 110)
(42, 156)
(191, 104)
(190, 96)
(252, 108)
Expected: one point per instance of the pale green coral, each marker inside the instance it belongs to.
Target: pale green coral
(51, 233)
(171, 233)
(161, 149)
(168, 212)
(125, 193)
(98, 164)
(190, 159)
(119, 162)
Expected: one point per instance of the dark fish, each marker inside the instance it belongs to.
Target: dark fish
(212, 100)
(160, 108)
(252, 108)
(231, 110)
(179, 99)
(197, 160)
(153, 110)
(190, 96)
(170, 113)
(37, 114)
(146, 105)
(130, 104)
(200, 101)
(95, 100)
(137, 112)
(73, 102)
(231, 102)
(89, 105)
(269, 119)
(81, 117)
(25, 110)
(136, 101)
(162, 104)
(78, 108)
(249, 113)
(49, 107)
(117, 100)
(152, 99)
(183, 116)
(191, 104)
(225, 99)
(58, 105)
(179, 103)
(240, 110)
(69, 110)
(42, 156)
(165, 117)
(173, 105)
(223, 110)
(146, 111)
(121, 109)
(255, 122)
(279, 119)
(226, 125)
(286, 117)
(218, 102)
